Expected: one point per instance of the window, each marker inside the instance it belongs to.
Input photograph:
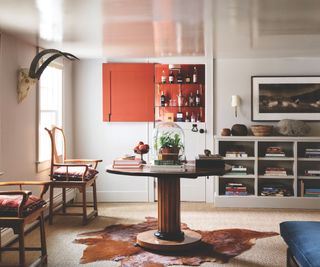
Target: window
(50, 110)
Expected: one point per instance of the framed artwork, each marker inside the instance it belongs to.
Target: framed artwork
(274, 98)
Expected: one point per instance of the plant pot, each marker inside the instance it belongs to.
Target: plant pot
(169, 153)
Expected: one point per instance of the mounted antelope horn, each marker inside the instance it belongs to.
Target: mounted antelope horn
(35, 73)
(28, 78)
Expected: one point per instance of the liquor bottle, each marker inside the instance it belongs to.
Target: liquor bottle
(179, 116)
(171, 77)
(193, 117)
(191, 100)
(198, 118)
(188, 78)
(162, 99)
(179, 77)
(194, 76)
(198, 99)
(187, 119)
(163, 77)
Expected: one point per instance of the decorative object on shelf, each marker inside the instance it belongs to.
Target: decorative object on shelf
(293, 127)
(141, 149)
(225, 132)
(262, 130)
(168, 142)
(235, 103)
(239, 130)
(292, 97)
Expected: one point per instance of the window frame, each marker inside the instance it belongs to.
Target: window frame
(43, 165)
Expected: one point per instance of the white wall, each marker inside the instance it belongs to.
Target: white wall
(18, 121)
(233, 77)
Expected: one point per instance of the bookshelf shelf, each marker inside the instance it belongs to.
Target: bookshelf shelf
(299, 159)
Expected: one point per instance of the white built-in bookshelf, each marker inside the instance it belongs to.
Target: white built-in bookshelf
(287, 177)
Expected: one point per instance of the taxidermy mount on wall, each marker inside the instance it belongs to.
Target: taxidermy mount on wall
(27, 78)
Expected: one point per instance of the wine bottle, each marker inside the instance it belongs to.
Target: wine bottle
(187, 119)
(198, 99)
(193, 117)
(198, 118)
(194, 76)
(163, 77)
(188, 78)
(179, 116)
(179, 77)
(162, 99)
(171, 77)
(191, 100)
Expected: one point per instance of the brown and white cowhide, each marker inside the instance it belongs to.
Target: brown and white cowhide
(117, 243)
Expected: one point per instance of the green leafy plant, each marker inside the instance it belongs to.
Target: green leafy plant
(169, 140)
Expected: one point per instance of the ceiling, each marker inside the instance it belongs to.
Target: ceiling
(162, 28)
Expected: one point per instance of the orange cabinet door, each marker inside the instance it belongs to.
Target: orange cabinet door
(128, 92)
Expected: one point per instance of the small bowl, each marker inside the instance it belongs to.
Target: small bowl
(262, 130)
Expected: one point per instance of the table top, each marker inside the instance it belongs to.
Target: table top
(189, 172)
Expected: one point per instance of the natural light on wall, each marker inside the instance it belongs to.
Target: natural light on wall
(51, 19)
(50, 107)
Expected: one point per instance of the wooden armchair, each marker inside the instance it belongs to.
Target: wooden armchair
(19, 208)
(71, 173)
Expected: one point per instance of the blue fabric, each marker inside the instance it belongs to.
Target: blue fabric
(303, 240)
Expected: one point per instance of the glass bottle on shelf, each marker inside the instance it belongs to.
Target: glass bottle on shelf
(171, 77)
(187, 119)
(163, 77)
(193, 117)
(162, 99)
(198, 99)
(198, 118)
(195, 75)
(191, 100)
(179, 116)
(188, 78)
(179, 77)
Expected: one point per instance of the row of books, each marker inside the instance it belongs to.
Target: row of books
(275, 171)
(275, 190)
(236, 154)
(235, 189)
(127, 162)
(312, 152)
(238, 170)
(274, 151)
(310, 191)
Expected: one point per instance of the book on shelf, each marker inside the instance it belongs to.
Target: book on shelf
(238, 168)
(235, 189)
(276, 189)
(274, 151)
(312, 152)
(167, 168)
(236, 154)
(127, 162)
(275, 155)
(312, 192)
(312, 172)
(275, 171)
(119, 166)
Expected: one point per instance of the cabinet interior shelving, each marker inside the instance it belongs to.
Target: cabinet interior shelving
(171, 91)
(292, 170)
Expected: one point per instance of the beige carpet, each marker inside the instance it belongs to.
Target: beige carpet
(267, 252)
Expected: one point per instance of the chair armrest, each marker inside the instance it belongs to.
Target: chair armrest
(25, 195)
(93, 161)
(45, 185)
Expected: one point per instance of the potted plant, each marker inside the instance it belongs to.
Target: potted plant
(168, 146)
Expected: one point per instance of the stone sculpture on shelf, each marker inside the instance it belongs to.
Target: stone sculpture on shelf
(293, 127)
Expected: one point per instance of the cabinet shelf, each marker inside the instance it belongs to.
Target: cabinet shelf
(276, 158)
(239, 158)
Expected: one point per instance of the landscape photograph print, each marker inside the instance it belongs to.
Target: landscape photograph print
(276, 98)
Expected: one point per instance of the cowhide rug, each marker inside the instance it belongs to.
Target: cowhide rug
(117, 243)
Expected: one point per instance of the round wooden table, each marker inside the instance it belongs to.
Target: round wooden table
(168, 236)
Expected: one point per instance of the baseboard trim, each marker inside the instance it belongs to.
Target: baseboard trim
(7, 235)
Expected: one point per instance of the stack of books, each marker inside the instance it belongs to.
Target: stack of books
(312, 152)
(312, 192)
(167, 168)
(236, 189)
(236, 154)
(238, 170)
(274, 151)
(275, 171)
(275, 191)
(127, 162)
(312, 172)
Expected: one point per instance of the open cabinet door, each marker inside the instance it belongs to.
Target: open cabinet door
(128, 92)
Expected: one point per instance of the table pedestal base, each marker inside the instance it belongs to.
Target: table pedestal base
(149, 241)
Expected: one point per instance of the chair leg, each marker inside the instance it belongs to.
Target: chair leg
(22, 258)
(95, 202)
(51, 206)
(63, 200)
(84, 205)
(43, 239)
